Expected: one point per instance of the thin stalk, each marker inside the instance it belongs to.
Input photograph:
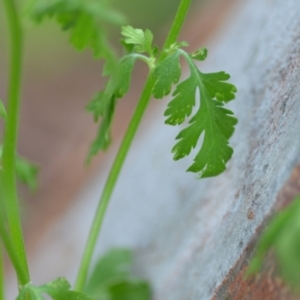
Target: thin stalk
(122, 153)
(10, 138)
(111, 182)
(6, 240)
(22, 276)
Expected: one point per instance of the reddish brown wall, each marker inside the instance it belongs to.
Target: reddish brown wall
(267, 285)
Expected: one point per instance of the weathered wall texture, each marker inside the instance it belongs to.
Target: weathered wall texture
(189, 235)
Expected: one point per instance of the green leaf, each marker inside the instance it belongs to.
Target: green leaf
(27, 173)
(282, 235)
(84, 20)
(211, 120)
(2, 110)
(103, 138)
(116, 87)
(268, 238)
(123, 77)
(130, 290)
(217, 87)
(103, 103)
(142, 40)
(111, 279)
(182, 104)
(166, 73)
(113, 266)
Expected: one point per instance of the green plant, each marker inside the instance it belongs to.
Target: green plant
(84, 20)
(282, 236)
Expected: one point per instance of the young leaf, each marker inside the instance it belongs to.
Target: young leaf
(2, 110)
(142, 40)
(282, 235)
(103, 103)
(211, 120)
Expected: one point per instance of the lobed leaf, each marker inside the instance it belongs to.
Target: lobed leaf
(103, 103)
(212, 120)
(142, 40)
(103, 138)
(183, 102)
(217, 87)
(84, 20)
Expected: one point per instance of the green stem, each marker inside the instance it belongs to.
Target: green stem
(176, 26)
(10, 138)
(111, 181)
(122, 153)
(22, 276)
(15, 260)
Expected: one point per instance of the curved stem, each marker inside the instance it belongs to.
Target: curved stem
(123, 150)
(10, 138)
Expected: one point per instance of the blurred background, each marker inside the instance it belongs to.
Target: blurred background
(55, 131)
